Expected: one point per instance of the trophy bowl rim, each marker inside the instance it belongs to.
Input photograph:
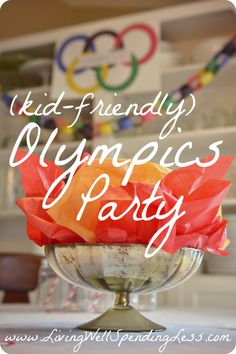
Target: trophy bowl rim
(119, 245)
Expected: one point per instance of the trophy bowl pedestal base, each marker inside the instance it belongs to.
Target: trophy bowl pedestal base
(126, 319)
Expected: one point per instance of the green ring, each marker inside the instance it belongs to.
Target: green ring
(213, 66)
(127, 83)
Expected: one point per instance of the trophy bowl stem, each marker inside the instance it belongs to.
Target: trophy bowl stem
(122, 316)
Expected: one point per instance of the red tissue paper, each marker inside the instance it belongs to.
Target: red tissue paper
(36, 180)
(201, 227)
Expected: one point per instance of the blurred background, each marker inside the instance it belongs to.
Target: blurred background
(191, 32)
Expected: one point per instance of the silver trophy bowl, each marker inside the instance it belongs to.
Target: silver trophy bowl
(122, 269)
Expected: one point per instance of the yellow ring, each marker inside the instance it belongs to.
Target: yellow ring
(82, 90)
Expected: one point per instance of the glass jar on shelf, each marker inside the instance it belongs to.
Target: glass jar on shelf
(54, 294)
(144, 302)
(51, 289)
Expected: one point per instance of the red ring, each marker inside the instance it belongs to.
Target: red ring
(152, 35)
(195, 83)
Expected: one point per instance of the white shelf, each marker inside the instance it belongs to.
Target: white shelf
(229, 202)
(35, 90)
(135, 142)
(174, 77)
(13, 213)
(191, 67)
(229, 206)
(71, 145)
(200, 139)
(53, 148)
(182, 68)
(179, 70)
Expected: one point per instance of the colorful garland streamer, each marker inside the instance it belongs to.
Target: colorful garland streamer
(195, 83)
(202, 78)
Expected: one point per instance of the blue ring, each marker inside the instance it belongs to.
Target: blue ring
(223, 61)
(64, 45)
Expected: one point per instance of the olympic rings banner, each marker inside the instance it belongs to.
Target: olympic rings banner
(109, 56)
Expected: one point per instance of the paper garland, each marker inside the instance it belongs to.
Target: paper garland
(195, 83)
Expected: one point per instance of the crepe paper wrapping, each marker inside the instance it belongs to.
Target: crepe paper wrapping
(201, 227)
(36, 180)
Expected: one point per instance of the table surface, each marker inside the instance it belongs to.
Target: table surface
(189, 331)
